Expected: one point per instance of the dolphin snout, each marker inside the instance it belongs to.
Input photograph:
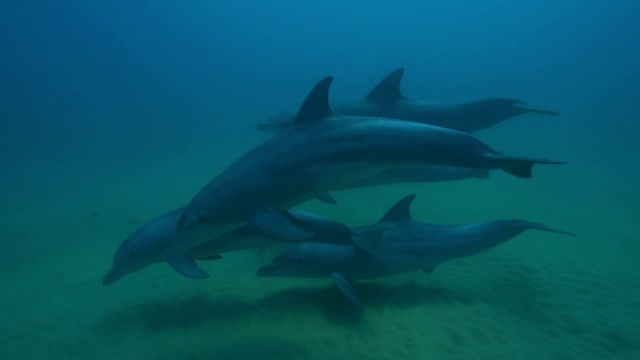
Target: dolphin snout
(274, 270)
(111, 277)
(524, 108)
(264, 271)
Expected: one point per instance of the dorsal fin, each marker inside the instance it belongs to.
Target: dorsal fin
(400, 211)
(316, 105)
(388, 89)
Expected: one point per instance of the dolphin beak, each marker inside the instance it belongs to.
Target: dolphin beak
(526, 109)
(279, 270)
(269, 270)
(111, 277)
(263, 271)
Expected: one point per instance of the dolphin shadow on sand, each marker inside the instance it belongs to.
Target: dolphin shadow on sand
(172, 313)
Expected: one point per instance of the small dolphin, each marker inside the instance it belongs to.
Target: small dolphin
(324, 152)
(395, 244)
(386, 100)
(146, 245)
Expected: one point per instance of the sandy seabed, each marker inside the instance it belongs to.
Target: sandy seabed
(538, 296)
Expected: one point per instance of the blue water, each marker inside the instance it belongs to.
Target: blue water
(113, 113)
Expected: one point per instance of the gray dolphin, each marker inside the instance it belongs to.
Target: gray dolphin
(395, 244)
(324, 152)
(386, 100)
(147, 244)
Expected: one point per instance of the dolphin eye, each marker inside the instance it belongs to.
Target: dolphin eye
(201, 219)
(135, 253)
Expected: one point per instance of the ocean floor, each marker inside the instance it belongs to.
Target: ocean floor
(538, 296)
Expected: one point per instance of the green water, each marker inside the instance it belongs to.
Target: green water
(112, 114)
(540, 295)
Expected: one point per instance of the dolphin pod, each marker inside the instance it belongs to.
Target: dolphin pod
(383, 139)
(321, 152)
(386, 100)
(146, 245)
(395, 244)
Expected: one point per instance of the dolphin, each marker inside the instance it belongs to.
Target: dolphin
(395, 244)
(324, 152)
(386, 100)
(146, 245)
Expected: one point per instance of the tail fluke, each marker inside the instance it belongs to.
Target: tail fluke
(522, 167)
(542, 227)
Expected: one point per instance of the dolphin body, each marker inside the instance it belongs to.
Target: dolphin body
(320, 153)
(386, 100)
(395, 244)
(147, 244)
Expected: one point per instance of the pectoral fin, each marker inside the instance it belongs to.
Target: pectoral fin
(186, 266)
(345, 286)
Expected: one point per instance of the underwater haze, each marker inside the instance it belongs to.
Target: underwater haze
(114, 112)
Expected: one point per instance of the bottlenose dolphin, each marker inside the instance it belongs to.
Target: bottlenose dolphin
(396, 244)
(386, 100)
(322, 152)
(147, 244)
